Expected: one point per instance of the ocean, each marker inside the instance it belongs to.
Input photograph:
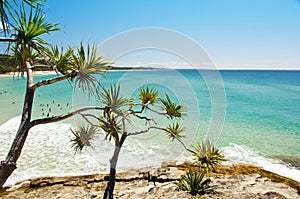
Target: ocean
(253, 116)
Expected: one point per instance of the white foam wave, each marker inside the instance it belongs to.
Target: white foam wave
(48, 152)
(243, 154)
(11, 124)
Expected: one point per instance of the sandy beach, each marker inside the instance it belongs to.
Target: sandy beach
(35, 72)
(235, 181)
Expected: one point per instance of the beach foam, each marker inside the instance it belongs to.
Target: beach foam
(48, 152)
(243, 154)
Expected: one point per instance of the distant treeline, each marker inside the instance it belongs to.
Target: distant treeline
(7, 64)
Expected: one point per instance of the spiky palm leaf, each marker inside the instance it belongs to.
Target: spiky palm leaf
(29, 30)
(18, 56)
(147, 95)
(174, 130)
(110, 125)
(88, 63)
(172, 109)
(60, 61)
(193, 183)
(207, 155)
(112, 98)
(6, 9)
(83, 136)
(30, 27)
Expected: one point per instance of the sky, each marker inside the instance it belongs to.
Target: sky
(251, 34)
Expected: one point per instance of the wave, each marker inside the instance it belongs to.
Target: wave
(243, 154)
(48, 152)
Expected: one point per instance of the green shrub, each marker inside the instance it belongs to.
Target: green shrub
(2, 69)
(192, 182)
(207, 156)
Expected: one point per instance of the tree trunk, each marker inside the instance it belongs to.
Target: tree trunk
(108, 194)
(10, 163)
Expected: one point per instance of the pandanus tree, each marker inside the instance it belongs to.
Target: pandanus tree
(30, 50)
(118, 112)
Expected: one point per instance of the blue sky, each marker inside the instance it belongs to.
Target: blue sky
(235, 34)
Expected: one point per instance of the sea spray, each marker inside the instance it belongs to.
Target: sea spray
(243, 154)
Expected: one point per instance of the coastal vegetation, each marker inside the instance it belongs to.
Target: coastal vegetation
(208, 156)
(206, 159)
(28, 48)
(119, 112)
(79, 65)
(112, 116)
(193, 182)
(230, 181)
(7, 64)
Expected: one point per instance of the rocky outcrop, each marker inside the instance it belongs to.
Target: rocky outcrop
(238, 181)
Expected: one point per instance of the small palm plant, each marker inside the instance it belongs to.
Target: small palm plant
(174, 131)
(172, 109)
(193, 183)
(82, 137)
(148, 95)
(118, 112)
(208, 156)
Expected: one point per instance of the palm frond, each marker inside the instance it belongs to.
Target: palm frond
(30, 27)
(207, 155)
(109, 124)
(193, 183)
(172, 109)
(83, 136)
(174, 130)
(6, 10)
(60, 61)
(88, 64)
(112, 98)
(147, 95)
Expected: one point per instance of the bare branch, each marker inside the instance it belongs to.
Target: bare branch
(85, 117)
(90, 115)
(132, 112)
(63, 116)
(163, 129)
(8, 39)
(180, 141)
(146, 130)
(54, 80)
(155, 111)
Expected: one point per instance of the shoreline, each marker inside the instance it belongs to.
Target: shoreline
(116, 69)
(15, 74)
(234, 181)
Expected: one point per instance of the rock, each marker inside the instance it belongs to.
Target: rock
(235, 182)
(272, 194)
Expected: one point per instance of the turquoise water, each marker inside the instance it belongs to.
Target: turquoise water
(252, 115)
